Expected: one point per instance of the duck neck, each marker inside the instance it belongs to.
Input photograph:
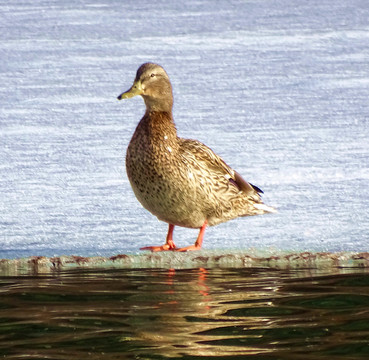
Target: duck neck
(159, 104)
(159, 127)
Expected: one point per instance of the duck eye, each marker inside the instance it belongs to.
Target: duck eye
(152, 75)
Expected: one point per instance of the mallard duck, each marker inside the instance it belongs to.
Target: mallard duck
(181, 181)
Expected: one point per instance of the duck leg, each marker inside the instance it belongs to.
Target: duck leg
(169, 244)
(198, 242)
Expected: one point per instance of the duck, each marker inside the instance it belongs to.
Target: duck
(180, 181)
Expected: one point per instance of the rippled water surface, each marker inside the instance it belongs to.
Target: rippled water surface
(186, 314)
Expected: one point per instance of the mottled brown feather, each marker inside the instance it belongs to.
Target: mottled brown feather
(181, 181)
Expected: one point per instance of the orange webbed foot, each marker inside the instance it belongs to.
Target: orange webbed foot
(165, 247)
(198, 243)
(188, 248)
(169, 244)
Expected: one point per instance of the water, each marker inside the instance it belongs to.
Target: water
(279, 89)
(186, 314)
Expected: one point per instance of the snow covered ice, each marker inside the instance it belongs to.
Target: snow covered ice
(279, 89)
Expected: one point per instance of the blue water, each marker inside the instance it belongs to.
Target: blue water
(279, 89)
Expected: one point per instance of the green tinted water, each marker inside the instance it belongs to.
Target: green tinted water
(186, 314)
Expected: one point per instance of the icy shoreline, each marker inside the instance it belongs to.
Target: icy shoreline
(207, 259)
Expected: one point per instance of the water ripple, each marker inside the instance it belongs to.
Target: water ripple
(185, 314)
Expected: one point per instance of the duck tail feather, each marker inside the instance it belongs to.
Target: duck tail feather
(265, 208)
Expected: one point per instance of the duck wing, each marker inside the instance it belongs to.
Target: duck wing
(202, 159)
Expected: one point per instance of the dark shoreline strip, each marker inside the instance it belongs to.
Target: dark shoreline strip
(207, 259)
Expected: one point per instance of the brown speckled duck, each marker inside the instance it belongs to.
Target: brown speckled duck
(181, 181)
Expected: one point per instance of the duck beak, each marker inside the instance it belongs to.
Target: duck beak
(135, 90)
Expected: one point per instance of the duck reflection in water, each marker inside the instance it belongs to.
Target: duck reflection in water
(178, 315)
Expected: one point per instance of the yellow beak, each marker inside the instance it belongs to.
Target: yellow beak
(135, 90)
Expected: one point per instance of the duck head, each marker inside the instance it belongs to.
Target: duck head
(152, 83)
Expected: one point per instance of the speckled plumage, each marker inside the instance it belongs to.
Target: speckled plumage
(181, 181)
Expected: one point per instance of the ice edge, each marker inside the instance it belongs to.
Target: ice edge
(207, 259)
